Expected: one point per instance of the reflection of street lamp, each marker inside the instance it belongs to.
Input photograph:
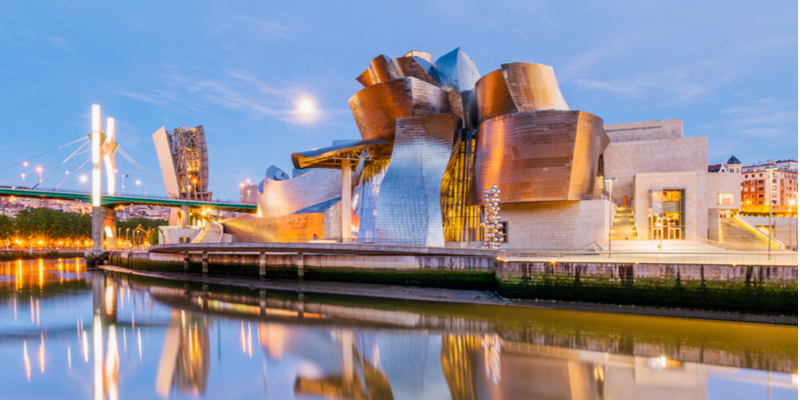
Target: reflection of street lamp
(610, 211)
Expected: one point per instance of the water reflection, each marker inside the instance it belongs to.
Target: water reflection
(218, 342)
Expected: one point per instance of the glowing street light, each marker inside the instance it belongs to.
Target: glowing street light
(23, 179)
(138, 189)
(39, 170)
(83, 178)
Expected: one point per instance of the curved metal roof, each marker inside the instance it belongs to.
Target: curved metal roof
(332, 156)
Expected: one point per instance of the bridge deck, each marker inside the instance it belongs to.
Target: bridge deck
(127, 200)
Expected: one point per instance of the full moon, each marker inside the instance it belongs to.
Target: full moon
(306, 106)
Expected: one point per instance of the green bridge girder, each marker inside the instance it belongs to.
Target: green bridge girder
(127, 200)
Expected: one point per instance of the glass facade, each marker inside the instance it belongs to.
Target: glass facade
(667, 214)
(461, 221)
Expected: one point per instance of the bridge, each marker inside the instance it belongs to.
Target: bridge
(114, 201)
(104, 150)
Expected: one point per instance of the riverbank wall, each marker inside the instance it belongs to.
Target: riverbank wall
(11, 255)
(463, 272)
(744, 289)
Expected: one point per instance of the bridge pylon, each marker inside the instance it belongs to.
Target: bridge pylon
(104, 219)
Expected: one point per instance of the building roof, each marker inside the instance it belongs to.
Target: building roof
(331, 156)
(714, 168)
(733, 160)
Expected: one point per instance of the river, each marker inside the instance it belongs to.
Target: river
(66, 333)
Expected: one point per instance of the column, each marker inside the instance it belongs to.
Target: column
(346, 206)
(98, 215)
(262, 265)
(300, 271)
(184, 216)
(110, 221)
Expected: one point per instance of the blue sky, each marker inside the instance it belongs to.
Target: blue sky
(727, 68)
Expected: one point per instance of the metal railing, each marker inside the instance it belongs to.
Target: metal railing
(105, 193)
(776, 258)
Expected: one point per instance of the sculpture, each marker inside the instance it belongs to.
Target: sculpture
(492, 233)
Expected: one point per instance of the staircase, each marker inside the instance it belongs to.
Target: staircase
(624, 227)
(733, 231)
(212, 233)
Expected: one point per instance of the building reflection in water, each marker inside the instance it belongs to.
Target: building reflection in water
(185, 359)
(352, 351)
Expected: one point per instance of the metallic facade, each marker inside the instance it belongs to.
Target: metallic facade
(409, 209)
(436, 135)
(539, 155)
(518, 87)
(377, 107)
(283, 197)
(183, 156)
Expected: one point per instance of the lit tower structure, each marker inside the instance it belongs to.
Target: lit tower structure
(103, 149)
(183, 156)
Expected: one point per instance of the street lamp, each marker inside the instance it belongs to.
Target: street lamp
(23, 179)
(791, 220)
(138, 189)
(611, 210)
(39, 170)
(769, 228)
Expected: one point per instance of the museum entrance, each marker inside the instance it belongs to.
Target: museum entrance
(667, 214)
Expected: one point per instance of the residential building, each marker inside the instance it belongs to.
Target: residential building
(758, 192)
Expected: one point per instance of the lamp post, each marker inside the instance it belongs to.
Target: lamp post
(138, 188)
(610, 210)
(23, 179)
(769, 228)
(791, 220)
(39, 170)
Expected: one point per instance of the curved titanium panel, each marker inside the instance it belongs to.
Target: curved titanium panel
(412, 66)
(458, 74)
(283, 197)
(457, 70)
(377, 107)
(409, 202)
(492, 96)
(533, 87)
(538, 155)
(380, 69)
(420, 54)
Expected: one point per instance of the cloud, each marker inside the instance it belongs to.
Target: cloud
(270, 29)
(232, 90)
(672, 87)
(759, 121)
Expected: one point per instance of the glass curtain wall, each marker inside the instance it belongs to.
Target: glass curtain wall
(667, 214)
(461, 221)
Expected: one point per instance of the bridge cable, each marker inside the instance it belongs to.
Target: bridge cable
(137, 165)
(67, 159)
(46, 152)
(44, 167)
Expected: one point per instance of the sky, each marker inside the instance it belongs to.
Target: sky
(728, 69)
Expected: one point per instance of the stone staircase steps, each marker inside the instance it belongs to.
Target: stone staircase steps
(624, 227)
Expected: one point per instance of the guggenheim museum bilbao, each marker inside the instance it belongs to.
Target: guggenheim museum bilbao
(436, 134)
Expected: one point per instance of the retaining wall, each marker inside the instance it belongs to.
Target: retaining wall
(751, 289)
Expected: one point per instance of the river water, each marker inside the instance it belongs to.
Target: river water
(67, 333)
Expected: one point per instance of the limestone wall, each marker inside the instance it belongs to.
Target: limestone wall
(645, 130)
(556, 224)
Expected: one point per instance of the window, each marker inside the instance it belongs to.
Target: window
(726, 199)
(760, 196)
(761, 181)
